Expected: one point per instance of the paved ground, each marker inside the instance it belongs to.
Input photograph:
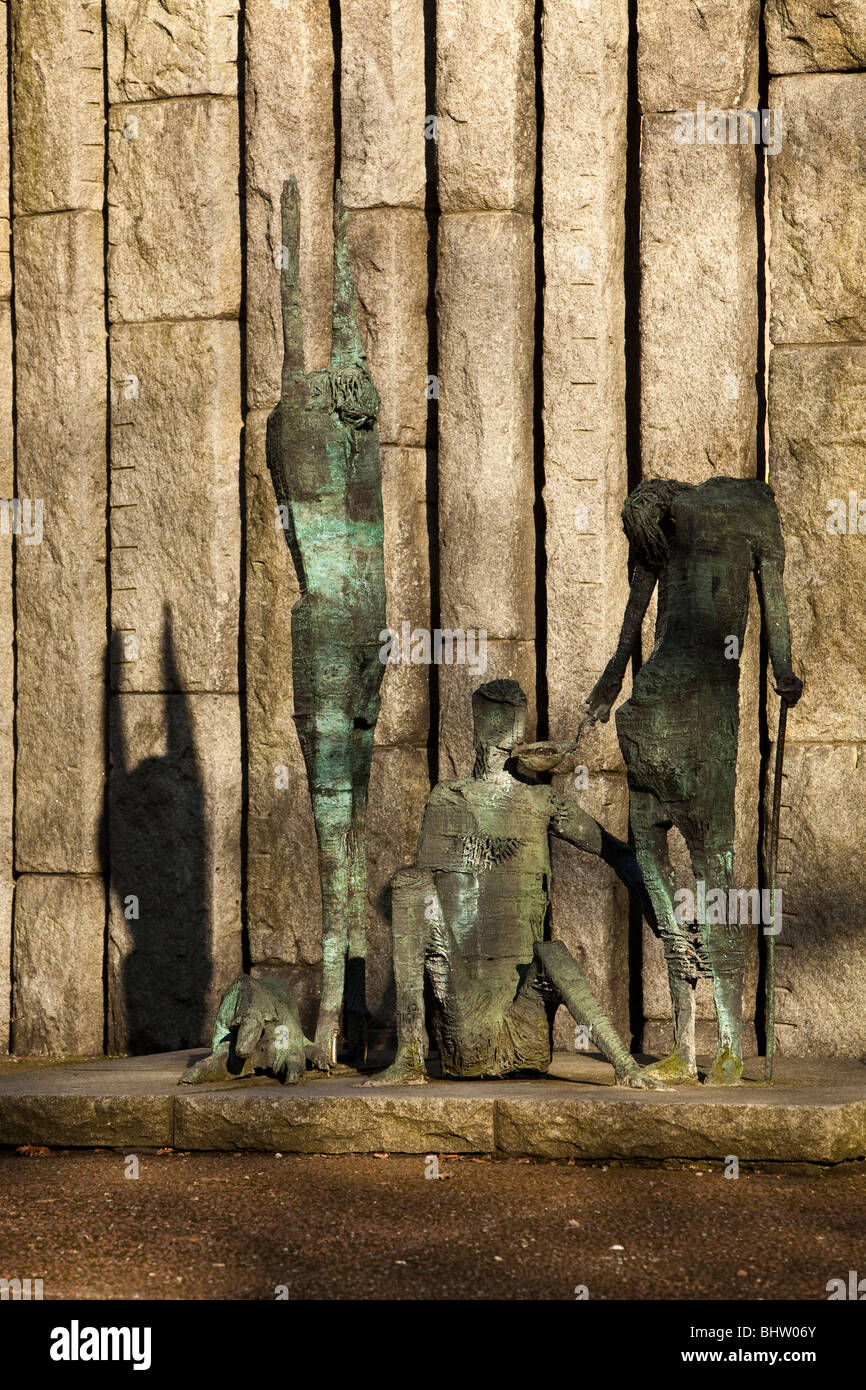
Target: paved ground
(236, 1226)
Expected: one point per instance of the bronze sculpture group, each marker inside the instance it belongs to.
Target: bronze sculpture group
(469, 916)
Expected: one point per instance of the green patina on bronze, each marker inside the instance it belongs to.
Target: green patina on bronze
(470, 915)
(323, 454)
(257, 1029)
(679, 730)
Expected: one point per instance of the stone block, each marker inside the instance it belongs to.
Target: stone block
(57, 105)
(389, 263)
(171, 50)
(175, 519)
(817, 407)
(404, 717)
(698, 306)
(687, 55)
(486, 294)
(289, 129)
(59, 943)
(817, 245)
(485, 105)
(173, 216)
(60, 578)
(382, 100)
(820, 962)
(174, 940)
(805, 37)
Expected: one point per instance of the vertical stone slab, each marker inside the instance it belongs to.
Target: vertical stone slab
(584, 82)
(817, 456)
(699, 330)
(817, 260)
(7, 616)
(175, 517)
(57, 965)
(485, 296)
(61, 601)
(289, 129)
(699, 347)
(485, 107)
(60, 394)
(174, 281)
(820, 967)
(175, 821)
(382, 105)
(817, 423)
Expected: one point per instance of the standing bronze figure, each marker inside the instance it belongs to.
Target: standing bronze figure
(679, 731)
(323, 453)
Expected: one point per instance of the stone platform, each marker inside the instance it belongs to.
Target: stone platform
(815, 1111)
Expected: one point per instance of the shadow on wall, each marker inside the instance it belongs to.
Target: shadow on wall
(159, 933)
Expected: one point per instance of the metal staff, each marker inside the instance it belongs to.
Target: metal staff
(772, 857)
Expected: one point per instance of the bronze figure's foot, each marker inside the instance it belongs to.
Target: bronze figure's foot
(672, 1071)
(328, 1036)
(316, 1058)
(638, 1078)
(727, 1069)
(407, 1069)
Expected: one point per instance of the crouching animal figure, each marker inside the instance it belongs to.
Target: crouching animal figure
(257, 1029)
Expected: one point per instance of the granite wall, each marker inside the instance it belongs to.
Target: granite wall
(579, 262)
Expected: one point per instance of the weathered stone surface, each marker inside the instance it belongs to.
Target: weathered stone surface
(313, 1124)
(508, 660)
(283, 894)
(60, 582)
(399, 787)
(7, 675)
(5, 267)
(820, 964)
(59, 936)
(382, 103)
(404, 716)
(485, 293)
(81, 1122)
(289, 129)
(703, 1129)
(174, 842)
(815, 1112)
(57, 104)
(817, 427)
(171, 50)
(389, 265)
(805, 37)
(698, 305)
(173, 219)
(817, 261)
(175, 522)
(485, 105)
(584, 76)
(688, 54)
